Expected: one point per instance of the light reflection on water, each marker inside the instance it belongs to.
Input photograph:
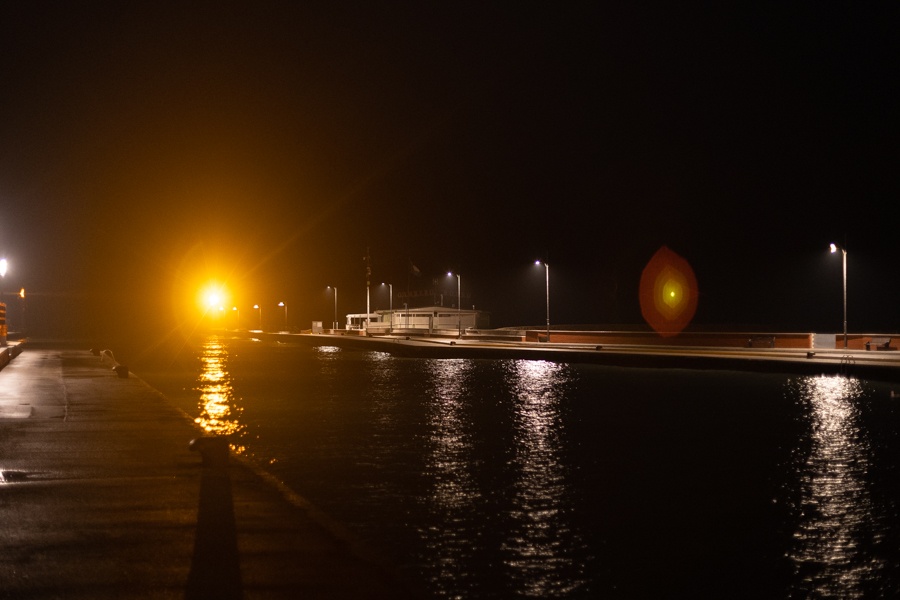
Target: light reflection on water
(482, 476)
(449, 461)
(218, 412)
(518, 507)
(541, 538)
(838, 523)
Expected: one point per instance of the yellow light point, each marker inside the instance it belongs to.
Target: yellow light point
(212, 298)
(672, 292)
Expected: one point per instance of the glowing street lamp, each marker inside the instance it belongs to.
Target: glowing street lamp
(547, 277)
(259, 308)
(285, 314)
(335, 322)
(835, 248)
(390, 305)
(458, 304)
(237, 314)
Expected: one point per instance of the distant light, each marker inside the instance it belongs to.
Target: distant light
(22, 293)
(3, 266)
(449, 274)
(833, 248)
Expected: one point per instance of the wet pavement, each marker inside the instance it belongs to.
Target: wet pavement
(102, 497)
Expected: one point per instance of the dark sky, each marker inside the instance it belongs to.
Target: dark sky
(145, 147)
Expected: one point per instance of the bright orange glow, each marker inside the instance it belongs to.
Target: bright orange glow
(668, 292)
(212, 297)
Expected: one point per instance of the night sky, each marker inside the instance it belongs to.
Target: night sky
(146, 148)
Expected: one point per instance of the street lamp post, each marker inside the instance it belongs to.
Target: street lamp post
(390, 305)
(237, 314)
(22, 296)
(458, 305)
(259, 308)
(334, 323)
(4, 265)
(547, 278)
(285, 314)
(835, 248)
(3, 329)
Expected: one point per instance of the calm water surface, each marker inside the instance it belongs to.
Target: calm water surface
(520, 478)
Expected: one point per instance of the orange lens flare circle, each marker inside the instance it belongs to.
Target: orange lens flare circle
(668, 292)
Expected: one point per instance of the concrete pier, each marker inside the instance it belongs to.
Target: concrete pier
(102, 497)
(881, 365)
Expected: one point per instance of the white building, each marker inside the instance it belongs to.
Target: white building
(428, 319)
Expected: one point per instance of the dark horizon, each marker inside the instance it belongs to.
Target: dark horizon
(150, 148)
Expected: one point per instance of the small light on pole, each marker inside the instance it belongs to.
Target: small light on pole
(835, 248)
(335, 322)
(390, 305)
(259, 308)
(285, 314)
(458, 304)
(22, 296)
(237, 317)
(4, 265)
(547, 279)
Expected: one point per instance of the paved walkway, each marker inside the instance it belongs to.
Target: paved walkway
(101, 497)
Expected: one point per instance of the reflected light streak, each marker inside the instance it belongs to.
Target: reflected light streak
(219, 413)
(449, 466)
(838, 522)
(539, 541)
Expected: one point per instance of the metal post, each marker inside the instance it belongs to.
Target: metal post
(334, 322)
(835, 248)
(845, 296)
(547, 273)
(391, 307)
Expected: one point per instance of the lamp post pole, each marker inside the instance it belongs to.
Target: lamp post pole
(4, 265)
(835, 248)
(458, 305)
(22, 296)
(285, 314)
(259, 308)
(334, 323)
(237, 314)
(4, 331)
(547, 279)
(390, 305)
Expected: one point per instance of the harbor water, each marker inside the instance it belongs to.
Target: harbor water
(518, 478)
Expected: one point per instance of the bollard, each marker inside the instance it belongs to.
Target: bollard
(107, 358)
(213, 449)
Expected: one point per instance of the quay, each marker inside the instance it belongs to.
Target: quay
(788, 358)
(101, 496)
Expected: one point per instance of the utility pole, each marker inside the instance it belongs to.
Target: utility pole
(368, 260)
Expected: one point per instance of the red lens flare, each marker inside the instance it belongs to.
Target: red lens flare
(668, 293)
